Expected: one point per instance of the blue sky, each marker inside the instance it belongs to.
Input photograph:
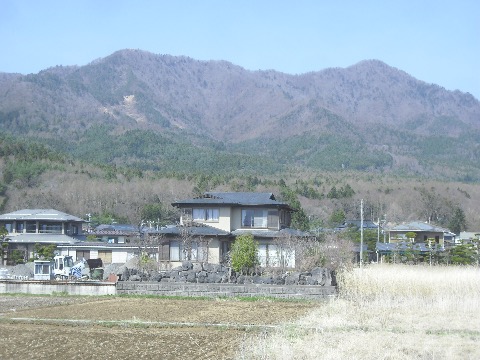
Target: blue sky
(435, 41)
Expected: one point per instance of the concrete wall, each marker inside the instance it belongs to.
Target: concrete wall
(48, 288)
(168, 289)
(226, 290)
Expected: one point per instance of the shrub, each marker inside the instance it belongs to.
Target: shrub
(244, 254)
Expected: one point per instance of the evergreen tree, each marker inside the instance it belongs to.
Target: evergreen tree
(299, 217)
(244, 254)
(458, 222)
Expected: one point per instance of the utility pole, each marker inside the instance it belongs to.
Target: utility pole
(361, 233)
(378, 230)
(384, 230)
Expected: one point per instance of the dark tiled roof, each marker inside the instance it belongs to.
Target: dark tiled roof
(233, 198)
(111, 233)
(271, 233)
(101, 244)
(117, 227)
(416, 226)
(205, 230)
(200, 230)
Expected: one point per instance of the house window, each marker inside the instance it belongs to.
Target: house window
(105, 255)
(276, 256)
(273, 219)
(83, 255)
(225, 248)
(42, 269)
(19, 227)
(254, 218)
(285, 218)
(175, 251)
(31, 227)
(164, 252)
(195, 252)
(206, 214)
(50, 228)
(7, 226)
(186, 215)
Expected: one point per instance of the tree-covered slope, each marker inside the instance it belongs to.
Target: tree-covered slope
(180, 114)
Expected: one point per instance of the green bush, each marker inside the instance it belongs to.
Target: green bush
(463, 254)
(244, 254)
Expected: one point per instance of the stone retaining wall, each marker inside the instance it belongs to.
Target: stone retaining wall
(307, 292)
(190, 272)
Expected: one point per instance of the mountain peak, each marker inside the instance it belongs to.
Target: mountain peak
(133, 89)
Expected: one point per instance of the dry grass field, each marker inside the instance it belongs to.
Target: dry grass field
(385, 312)
(46, 327)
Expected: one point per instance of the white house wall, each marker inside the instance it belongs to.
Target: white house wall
(214, 251)
(224, 219)
(236, 219)
(120, 257)
(223, 222)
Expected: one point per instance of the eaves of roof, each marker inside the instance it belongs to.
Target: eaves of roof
(418, 226)
(201, 230)
(233, 199)
(100, 245)
(41, 238)
(271, 233)
(40, 214)
(112, 233)
(205, 230)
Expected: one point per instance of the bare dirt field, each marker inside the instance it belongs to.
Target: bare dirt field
(98, 328)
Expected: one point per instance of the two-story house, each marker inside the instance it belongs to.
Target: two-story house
(209, 224)
(28, 227)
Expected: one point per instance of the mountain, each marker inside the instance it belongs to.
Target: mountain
(172, 113)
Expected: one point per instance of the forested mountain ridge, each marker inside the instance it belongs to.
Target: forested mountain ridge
(142, 109)
(136, 130)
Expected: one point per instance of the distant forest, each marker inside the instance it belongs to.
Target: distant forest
(37, 175)
(126, 135)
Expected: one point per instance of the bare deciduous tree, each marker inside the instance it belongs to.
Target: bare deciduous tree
(148, 246)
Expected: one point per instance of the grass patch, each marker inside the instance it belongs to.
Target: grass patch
(420, 311)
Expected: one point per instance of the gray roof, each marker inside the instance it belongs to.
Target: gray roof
(417, 226)
(271, 233)
(205, 230)
(124, 228)
(200, 230)
(40, 214)
(233, 198)
(41, 238)
(100, 245)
